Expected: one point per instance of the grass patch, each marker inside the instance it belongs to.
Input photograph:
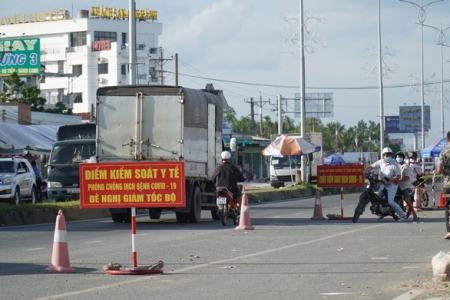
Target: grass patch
(23, 208)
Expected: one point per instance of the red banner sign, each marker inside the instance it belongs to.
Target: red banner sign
(132, 184)
(340, 176)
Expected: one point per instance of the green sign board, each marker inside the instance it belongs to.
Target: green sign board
(22, 56)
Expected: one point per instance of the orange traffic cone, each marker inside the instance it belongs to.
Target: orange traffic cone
(60, 255)
(417, 205)
(244, 221)
(318, 208)
(441, 200)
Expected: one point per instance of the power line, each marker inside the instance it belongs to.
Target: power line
(316, 88)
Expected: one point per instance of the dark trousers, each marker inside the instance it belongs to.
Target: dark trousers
(39, 188)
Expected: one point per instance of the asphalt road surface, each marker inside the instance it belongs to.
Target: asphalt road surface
(286, 256)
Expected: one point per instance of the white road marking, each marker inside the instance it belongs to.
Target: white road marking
(222, 262)
(93, 242)
(409, 295)
(34, 249)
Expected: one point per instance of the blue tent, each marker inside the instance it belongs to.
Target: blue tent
(333, 159)
(435, 148)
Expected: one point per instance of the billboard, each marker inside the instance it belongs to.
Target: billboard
(317, 105)
(22, 56)
(411, 118)
(392, 125)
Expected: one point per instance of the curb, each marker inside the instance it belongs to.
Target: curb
(48, 215)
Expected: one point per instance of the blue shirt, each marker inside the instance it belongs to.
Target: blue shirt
(36, 172)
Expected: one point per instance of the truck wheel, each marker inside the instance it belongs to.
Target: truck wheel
(127, 216)
(196, 206)
(154, 213)
(182, 217)
(117, 218)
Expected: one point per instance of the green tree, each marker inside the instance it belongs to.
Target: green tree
(12, 88)
(15, 90)
(242, 125)
(229, 114)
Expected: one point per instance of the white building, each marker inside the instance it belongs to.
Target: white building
(79, 55)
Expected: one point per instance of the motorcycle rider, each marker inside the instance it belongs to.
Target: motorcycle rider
(405, 181)
(227, 175)
(414, 163)
(390, 169)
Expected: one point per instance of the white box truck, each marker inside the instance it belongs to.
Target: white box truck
(164, 123)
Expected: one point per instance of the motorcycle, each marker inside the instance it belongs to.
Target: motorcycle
(378, 205)
(227, 207)
(422, 191)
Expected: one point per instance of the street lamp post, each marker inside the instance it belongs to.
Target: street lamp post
(441, 40)
(421, 15)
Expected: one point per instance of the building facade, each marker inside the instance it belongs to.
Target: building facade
(78, 55)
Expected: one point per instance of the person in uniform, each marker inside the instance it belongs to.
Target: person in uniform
(443, 167)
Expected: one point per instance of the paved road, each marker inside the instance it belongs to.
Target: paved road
(287, 256)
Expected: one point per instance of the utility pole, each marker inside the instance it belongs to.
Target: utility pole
(161, 61)
(252, 112)
(132, 42)
(280, 127)
(260, 116)
(3, 115)
(176, 69)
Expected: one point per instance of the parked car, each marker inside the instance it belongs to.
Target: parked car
(17, 180)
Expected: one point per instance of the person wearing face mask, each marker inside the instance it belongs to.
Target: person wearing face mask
(415, 166)
(405, 181)
(389, 169)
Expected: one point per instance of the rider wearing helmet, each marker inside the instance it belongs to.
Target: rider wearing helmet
(391, 171)
(414, 163)
(406, 180)
(227, 175)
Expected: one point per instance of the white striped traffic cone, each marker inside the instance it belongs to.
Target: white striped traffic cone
(60, 255)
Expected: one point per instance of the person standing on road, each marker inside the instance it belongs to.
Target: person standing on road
(414, 163)
(390, 169)
(405, 181)
(227, 175)
(38, 180)
(443, 167)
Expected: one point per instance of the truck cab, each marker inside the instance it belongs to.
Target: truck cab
(283, 169)
(75, 144)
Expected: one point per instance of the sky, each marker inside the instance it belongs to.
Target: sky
(239, 46)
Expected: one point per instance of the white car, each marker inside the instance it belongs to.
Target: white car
(17, 180)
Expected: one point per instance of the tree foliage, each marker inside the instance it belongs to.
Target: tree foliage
(363, 137)
(15, 90)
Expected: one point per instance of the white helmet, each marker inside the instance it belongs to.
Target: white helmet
(386, 150)
(225, 155)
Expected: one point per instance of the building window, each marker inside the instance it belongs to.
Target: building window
(60, 66)
(78, 38)
(124, 39)
(77, 97)
(77, 69)
(123, 69)
(103, 68)
(105, 36)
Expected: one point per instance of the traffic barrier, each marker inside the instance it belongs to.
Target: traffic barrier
(60, 254)
(441, 200)
(244, 220)
(417, 205)
(318, 208)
